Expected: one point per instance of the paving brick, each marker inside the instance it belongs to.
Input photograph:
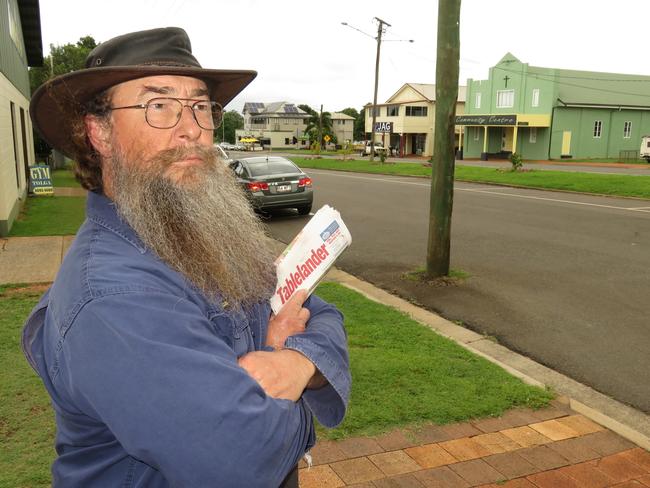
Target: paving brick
(369, 484)
(525, 436)
(587, 475)
(543, 458)
(554, 430)
(519, 416)
(476, 472)
(457, 431)
(518, 483)
(644, 479)
(606, 442)
(325, 452)
(402, 481)
(319, 477)
(619, 468)
(465, 449)
(638, 456)
(397, 439)
(359, 446)
(629, 484)
(582, 425)
(511, 465)
(442, 477)
(394, 463)
(552, 479)
(496, 442)
(429, 434)
(430, 456)
(551, 412)
(575, 450)
(359, 470)
(493, 424)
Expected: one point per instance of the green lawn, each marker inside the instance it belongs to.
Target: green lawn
(403, 374)
(50, 216)
(64, 178)
(613, 185)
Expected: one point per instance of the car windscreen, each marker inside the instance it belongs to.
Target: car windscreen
(264, 168)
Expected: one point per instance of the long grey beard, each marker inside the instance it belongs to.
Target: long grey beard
(201, 226)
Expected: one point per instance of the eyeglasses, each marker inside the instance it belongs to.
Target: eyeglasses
(164, 113)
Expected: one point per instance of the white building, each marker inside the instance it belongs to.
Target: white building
(343, 127)
(278, 124)
(20, 46)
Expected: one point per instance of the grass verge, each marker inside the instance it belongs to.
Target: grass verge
(612, 185)
(26, 418)
(64, 178)
(50, 216)
(403, 374)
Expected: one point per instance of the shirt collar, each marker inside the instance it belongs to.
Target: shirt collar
(103, 211)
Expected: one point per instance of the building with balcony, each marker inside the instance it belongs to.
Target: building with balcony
(20, 46)
(278, 124)
(405, 122)
(548, 113)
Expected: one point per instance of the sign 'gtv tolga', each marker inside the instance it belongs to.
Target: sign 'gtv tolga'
(386, 127)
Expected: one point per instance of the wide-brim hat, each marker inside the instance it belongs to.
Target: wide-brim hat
(165, 51)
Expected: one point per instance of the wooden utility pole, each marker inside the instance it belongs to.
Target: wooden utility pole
(442, 181)
(380, 30)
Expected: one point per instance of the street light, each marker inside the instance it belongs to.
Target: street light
(380, 31)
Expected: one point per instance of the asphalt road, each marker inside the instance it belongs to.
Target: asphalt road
(561, 278)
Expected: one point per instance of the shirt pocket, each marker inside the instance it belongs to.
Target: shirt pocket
(234, 329)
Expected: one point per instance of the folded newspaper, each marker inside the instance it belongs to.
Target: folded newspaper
(311, 253)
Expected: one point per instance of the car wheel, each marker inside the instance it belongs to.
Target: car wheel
(304, 210)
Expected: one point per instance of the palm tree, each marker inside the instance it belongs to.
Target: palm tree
(324, 121)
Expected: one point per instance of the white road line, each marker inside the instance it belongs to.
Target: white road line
(493, 192)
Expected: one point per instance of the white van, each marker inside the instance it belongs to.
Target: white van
(644, 152)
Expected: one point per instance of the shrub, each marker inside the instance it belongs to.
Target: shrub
(516, 161)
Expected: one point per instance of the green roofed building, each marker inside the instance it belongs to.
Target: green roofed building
(547, 113)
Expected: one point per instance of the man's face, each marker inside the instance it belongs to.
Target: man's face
(138, 141)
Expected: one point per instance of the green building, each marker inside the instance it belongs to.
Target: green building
(547, 113)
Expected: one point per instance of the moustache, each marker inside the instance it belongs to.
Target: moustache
(166, 157)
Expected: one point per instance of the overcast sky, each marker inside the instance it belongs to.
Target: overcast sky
(303, 54)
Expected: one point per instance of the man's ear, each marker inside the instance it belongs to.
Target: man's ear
(98, 133)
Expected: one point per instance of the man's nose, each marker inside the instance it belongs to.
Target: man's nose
(187, 126)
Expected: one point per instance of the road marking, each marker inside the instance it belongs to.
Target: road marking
(500, 191)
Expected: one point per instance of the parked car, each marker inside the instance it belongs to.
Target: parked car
(645, 148)
(226, 146)
(379, 148)
(223, 154)
(273, 182)
(238, 146)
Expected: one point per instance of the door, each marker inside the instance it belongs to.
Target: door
(566, 143)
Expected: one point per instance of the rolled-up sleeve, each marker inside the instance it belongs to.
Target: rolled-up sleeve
(324, 343)
(153, 370)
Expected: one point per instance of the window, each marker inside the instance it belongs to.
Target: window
(505, 98)
(392, 110)
(374, 111)
(286, 141)
(535, 101)
(598, 126)
(416, 111)
(477, 101)
(533, 135)
(13, 132)
(627, 129)
(477, 133)
(15, 31)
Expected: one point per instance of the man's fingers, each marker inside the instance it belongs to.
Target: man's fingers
(295, 302)
(304, 314)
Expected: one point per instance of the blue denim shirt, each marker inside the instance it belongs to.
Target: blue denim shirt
(143, 374)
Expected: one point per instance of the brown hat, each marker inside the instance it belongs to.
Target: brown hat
(165, 51)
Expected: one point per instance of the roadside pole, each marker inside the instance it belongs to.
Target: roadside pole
(380, 30)
(442, 180)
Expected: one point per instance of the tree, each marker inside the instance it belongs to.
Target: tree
(359, 122)
(232, 120)
(307, 108)
(62, 59)
(322, 121)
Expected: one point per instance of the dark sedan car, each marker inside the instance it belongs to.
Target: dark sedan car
(273, 182)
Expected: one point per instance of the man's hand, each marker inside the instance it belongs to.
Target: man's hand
(291, 320)
(282, 374)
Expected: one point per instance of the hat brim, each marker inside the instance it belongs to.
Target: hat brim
(54, 101)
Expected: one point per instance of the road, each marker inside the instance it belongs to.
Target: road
(561, 278)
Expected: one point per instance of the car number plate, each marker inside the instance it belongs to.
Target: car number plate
(283, 188)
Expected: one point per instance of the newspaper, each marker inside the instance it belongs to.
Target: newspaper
(311, 253)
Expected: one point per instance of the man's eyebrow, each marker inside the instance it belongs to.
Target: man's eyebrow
(161, 90)
(199, 92)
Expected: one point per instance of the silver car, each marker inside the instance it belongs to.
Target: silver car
(273, 182)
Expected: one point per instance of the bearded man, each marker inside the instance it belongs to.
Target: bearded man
(156, 342)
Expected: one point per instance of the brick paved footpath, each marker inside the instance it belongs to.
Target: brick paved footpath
(548, 448)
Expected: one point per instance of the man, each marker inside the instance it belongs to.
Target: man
(156, 342)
